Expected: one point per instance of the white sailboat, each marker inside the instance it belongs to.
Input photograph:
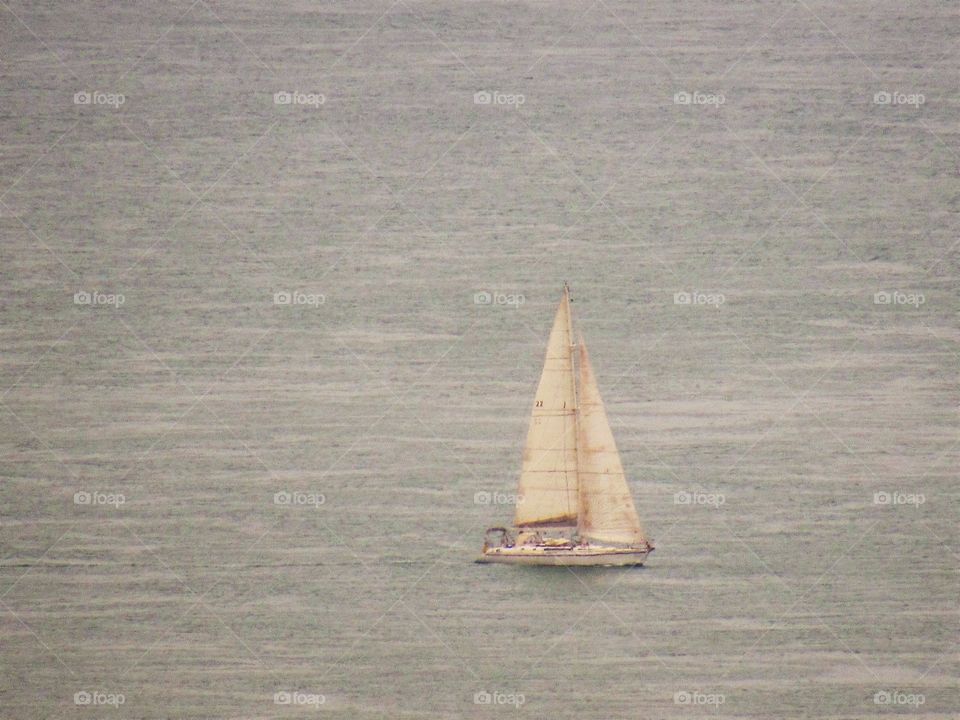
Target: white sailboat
(574, 505)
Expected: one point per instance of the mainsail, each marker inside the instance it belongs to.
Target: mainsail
(607, 513)
(548, 480)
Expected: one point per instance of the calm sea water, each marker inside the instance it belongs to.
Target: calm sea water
(252, 385)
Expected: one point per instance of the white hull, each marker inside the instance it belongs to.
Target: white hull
(565, 556)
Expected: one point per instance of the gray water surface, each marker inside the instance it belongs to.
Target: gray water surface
(757, 424)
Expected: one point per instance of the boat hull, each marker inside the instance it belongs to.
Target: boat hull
(563, 556)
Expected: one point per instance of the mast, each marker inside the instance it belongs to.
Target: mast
(576, 402)
(576, 406)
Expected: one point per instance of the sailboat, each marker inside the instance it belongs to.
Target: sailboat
(573, 504)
